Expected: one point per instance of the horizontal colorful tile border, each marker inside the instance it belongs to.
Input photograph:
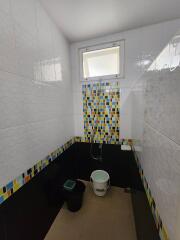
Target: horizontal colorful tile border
(161, 228)
(20, 181)
(17, 183)
(120, 142)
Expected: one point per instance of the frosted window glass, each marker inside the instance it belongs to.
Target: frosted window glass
(102, 62)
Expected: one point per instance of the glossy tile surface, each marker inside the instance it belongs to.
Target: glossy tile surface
(142, 46)
(101, 105)
(159, 152)
(162, 102)
(161, 166)
(35, 87)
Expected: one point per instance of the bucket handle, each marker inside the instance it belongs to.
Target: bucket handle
(91, 179)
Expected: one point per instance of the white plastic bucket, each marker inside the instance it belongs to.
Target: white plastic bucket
(101, 182)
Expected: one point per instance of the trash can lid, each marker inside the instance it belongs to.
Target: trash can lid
(69, 185)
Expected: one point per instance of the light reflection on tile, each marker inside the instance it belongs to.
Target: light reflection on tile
(159, 154)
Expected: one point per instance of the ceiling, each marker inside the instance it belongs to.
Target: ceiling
(85, 19)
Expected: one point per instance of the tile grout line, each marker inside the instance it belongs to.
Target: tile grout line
(162, 135)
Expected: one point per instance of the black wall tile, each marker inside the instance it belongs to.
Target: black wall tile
(29, 213)
(144, 221)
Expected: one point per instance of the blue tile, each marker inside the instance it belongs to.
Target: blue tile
(1, 199)
(9, 186)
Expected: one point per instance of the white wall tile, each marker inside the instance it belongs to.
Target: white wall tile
(125, 112)
(5, 6)
(161, 165)
(78, 102)
(141, 47)
(8, 61)
(36, 115)
(24, 14)
(79, 125)
(156, 107)
(162, 98)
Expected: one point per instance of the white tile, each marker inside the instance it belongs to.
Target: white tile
(36, 116)
(125, 127)
(162, 98)
(160, 151)
(79, 125)
(7, 43)
(125, 101)
(5, 6)
(24, 14)
(161, 165)
(141, 48)
(78, 103)
(137, 114)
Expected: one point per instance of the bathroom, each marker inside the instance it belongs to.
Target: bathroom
(89, 87)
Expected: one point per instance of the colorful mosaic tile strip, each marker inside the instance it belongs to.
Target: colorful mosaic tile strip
(13, 186)
(17, 183)
(101, 106)
(161, 229)
(120, 142)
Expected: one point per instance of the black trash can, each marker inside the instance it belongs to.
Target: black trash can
(74, 198)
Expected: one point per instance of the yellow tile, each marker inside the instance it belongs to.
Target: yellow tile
(1, 191)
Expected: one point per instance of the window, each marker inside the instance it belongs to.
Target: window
(102, 62)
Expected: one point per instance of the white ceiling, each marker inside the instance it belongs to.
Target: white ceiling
(84, 19)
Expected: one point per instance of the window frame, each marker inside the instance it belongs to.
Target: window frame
(120, 44)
